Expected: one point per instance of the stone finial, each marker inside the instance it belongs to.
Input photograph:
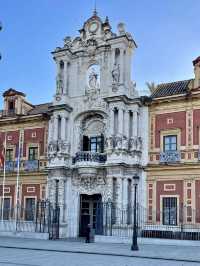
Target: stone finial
(121, 28)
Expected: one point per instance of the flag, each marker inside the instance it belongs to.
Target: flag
(2, 154)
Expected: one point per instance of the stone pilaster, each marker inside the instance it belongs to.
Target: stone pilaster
(120, 121)
(55, 137)
(135, 124)
(63, 127)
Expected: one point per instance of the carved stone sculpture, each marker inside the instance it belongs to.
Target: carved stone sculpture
(125, 143)
(93, 77)
(109, 143)
(52, 150)
(118, 143)
(59, 84)
(116, 73)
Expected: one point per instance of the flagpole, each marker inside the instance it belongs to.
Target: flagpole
(17, 184)
(4, 176)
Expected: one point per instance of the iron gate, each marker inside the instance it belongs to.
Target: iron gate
(38, 217)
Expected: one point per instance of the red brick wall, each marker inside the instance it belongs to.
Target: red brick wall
(196, 125)
(40, 136)
(179, 121)
(161, 192)
(30, 194)
(40, 133)
(197, 199)
(11, 194)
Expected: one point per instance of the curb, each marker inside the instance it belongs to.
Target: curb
(102, 254)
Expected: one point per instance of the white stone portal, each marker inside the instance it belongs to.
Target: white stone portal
(98, 131)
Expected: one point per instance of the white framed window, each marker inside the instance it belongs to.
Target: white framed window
(30, 190)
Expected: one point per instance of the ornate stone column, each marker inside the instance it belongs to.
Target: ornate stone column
(63, 127)
(121, 66)
(119, 200)
(125, 199)
(120, 121)
(55, 135)
(111, 122)
(50, 132)
(61, 198)
(135, 124)
(126, 123)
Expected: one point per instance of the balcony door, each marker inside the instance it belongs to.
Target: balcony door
(93, 144)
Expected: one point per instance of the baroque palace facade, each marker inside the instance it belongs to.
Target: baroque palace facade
(173, 173)
(98, 127)
(82, 150)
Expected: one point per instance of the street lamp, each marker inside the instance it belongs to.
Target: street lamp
(134, 245)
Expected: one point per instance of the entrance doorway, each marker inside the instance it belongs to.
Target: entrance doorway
(89, 213)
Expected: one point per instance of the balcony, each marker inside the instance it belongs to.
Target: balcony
(170, 157)
(31, 165)
(28, 165)
(87, 156)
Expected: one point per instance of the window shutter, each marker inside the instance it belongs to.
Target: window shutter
(85, 143)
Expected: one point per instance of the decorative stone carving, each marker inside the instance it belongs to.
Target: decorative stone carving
(88, 182)
(133, 144)
(109, 144)
(124, 143)
(59, 84)
(52, 149)
(116, 73)
(118, 143)
(63, 148)
(139, 144)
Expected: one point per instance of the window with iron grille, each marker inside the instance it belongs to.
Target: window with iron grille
(170, 143)
(33, 153)
(170, 211)
(9, 154)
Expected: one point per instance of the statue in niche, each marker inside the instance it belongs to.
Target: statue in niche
(93, 77)
(116, 73)
(59, 84)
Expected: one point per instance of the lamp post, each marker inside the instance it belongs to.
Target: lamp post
(134, 245)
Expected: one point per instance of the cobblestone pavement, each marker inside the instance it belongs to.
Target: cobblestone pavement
(17, 257)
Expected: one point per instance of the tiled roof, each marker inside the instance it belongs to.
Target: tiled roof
(170, 89)
(39, 109)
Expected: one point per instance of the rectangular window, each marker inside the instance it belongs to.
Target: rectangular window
(9, 154)
(170, 211)
(170, 143)
(97, 144)
(33, 153)
(6, 209)
(29, 209)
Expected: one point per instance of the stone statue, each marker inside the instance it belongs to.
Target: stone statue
(93, 76)
(118, 143)
(109, 143)
(124, 143)
(59, 84)
(116, 73)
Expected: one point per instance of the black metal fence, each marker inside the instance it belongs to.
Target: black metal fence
(172, 224)
(39, 217)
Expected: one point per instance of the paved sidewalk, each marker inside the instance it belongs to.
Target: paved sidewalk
(178, 253)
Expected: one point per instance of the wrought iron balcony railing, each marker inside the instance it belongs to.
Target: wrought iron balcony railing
(170, 157)
(31, 165)
(28, 165)
(87, 156)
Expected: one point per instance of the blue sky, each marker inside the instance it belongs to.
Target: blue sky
(167, 33)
